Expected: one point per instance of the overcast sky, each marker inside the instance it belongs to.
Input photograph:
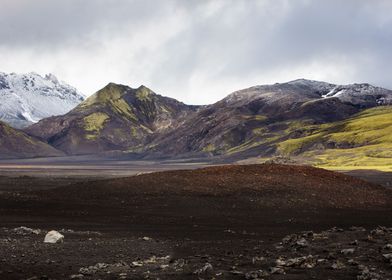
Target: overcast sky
(197, 51)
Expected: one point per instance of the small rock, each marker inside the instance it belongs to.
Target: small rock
(302, 243)
(379, 231)
(290, 239)
(388, 247)
(53, 237)
(85, 271)
(258, 274)
(347, 251)
(388, 257)
(355, 242)
(336, 229)
(277, 270)
(92, 269)
(145, 238)
(25, 230)
(357, 229)
(101, 265)
(257, 259)
(137, 264)
(303, 262)
(320, 236)
(180, 263)
(236, 272)
(155, 259)
(338, 265)
(280, 262)
(76, 276)
(205, 269)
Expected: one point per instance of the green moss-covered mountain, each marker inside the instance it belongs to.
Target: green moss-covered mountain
(115, 118)
(326, 124)
(17, 144)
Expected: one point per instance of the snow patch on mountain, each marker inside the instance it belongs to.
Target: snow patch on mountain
(335, 92)
(28, 98)
(363, 95)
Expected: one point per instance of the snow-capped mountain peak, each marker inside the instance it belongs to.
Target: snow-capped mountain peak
(28, 98)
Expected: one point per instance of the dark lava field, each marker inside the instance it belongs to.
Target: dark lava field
(226, 222)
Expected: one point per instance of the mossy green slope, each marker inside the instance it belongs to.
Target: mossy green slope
(110, 98)
(362, 141)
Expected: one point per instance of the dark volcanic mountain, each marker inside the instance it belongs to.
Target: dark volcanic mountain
(254, 120)
(307, 118)
(115, 118)
(17, 144)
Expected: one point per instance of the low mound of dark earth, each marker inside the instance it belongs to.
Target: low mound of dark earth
(264, 185)
(223, 222)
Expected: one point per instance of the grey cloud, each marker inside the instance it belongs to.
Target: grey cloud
(55, 22)
(198, 51)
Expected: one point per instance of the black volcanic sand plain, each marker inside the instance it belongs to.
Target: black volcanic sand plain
(226, 222)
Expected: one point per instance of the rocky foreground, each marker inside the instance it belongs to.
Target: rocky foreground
(355, 253)
(230, 222)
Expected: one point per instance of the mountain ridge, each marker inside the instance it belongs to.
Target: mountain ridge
(258, 122)
(233, 120)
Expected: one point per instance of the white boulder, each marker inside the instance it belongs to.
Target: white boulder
(53, 237)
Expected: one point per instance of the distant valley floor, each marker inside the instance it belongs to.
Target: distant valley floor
(85, 167)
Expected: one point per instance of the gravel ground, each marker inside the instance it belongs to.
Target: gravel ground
(241, 222)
